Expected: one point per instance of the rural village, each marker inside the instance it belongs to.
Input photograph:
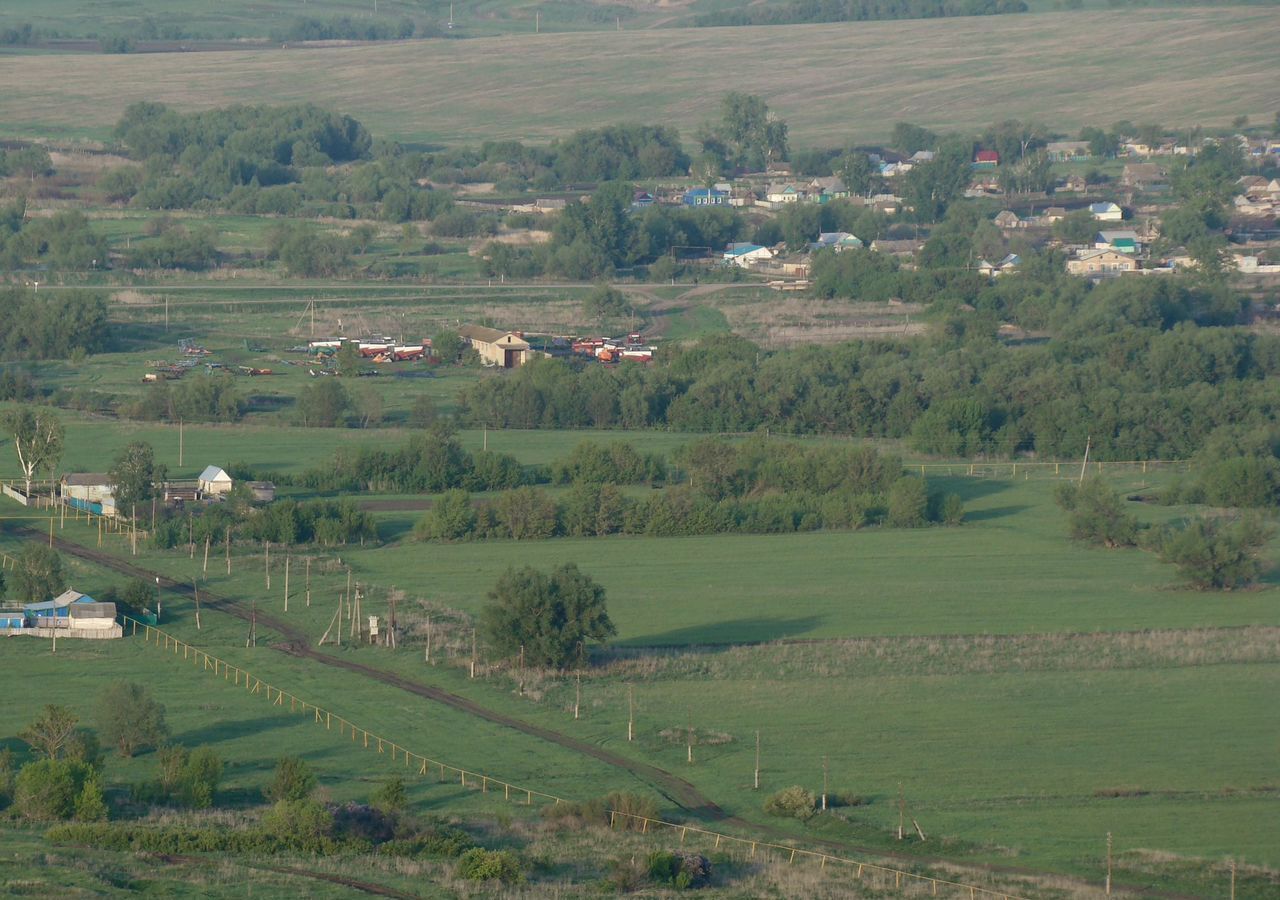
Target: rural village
(599, 449)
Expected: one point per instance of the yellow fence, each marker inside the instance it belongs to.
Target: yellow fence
(424, 765)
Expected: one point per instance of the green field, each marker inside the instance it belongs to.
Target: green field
(853, 81)
(1029, 694)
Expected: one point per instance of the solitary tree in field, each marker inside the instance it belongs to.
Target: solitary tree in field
(551, 617)
(1211, 555)
(130, 718)
(1096, 514)
(37, 439)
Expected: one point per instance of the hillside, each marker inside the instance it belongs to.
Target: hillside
(1197, 66)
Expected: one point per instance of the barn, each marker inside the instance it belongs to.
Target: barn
(89, 490)
(72, 614)
(504, 349)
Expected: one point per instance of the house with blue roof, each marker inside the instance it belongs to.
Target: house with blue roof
(837, 241)
(705, 197)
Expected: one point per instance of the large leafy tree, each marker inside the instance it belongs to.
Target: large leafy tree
(130, 718)
(1096, 514)
(132, 476)
(51, 731)
(37, 439)
(552, 617)
(38, 574)
(1212, 555)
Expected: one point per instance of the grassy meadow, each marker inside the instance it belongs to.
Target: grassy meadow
(1029, 694)
(1181, 66)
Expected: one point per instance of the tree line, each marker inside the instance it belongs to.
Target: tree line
(755, 487)
(799, 12)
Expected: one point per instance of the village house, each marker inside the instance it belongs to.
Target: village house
(992, 270)
(1101, 262)
(641, 200)
(824, 190)
(1074, 184)
(704, 196)
(922, 156)
(986, 159)
(262, 491)
(1124, 241)
(1106, 211)
(504, 349)
(1053, 214)
(836, 240)
(785, 193)
(1144, 176)
(89, 491)
(904, 248)
(70, 614)
(1007, 219)
(1066, 151)
(214, 482)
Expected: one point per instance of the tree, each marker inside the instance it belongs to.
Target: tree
(604, 302)
(423, 413)
(552, 617)
(931, 187)
(1078, 227)
(908, 503)
(368, 402)
(323, 403)
(447, 346)
(132, 476)
(293, 780)
(753, 137)
(38, 575)
(450, 518)
(1095, 514)
(37, 439)
(347, 360)
(390, 797)
(1213, 555)
(91, 806)
(51, 731)
(857, 171)
(130, 718)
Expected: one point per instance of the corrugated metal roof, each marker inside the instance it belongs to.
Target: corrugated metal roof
(86, 478)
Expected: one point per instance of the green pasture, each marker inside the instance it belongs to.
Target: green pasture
(1024, 767)
(851, 83)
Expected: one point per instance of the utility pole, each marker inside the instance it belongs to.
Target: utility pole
(577, 697)
(195, 588)
(208, 539)
(824, 783)
(473, 653)
(902, 809)
(755, 786)
(689, 734)
(286, 582)
(1085, 465)
(180, 448)
(266, 562)
(308, 582)
(1108, 863)
(228, 549)
(522, 670)
(427, 654)
(631, 714)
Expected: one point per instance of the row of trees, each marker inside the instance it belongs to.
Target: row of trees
(288, 522)
(61, 242)
(801, 11)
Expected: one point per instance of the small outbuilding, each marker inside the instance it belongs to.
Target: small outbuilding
(263, 491)
(214, 482)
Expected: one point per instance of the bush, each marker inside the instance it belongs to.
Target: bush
(1211, 555)
(793, 803)
(47, 789)
(908, 503)
(293, 780)
(301, 824)
(1095, 514)
(91, 806)
(479, 864)
(679, 870)
(952, 510)
(390, 796)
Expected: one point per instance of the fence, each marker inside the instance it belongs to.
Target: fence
(424, 765)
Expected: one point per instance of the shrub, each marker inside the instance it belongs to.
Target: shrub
(952, 510)
(301, 824)
(1095, 514)
(47, 789)
(478, 864)
(1211, 555)
(793, 802)
(390, 796)
(293, 780)
(91, 806)
(679, 870)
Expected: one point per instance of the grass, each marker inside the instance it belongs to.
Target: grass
(1020, 750)
(852, 82)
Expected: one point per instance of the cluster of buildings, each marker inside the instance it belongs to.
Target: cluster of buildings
(92, 491)
(70, 614)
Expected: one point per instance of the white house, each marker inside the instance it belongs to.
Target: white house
(746, 255)
(214, 481)
(785, 193)
(1106, 212)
